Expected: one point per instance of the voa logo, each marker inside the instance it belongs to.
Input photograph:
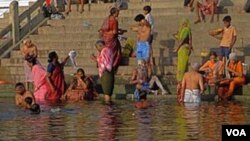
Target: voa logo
(236, 132)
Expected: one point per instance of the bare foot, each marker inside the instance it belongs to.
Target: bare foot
(81, 11)
(198, 21)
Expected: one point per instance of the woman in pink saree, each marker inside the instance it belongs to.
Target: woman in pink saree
(55, 77)
(40, 80)
(109, 34)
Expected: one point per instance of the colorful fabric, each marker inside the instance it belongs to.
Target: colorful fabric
(107, 82)
(184, 34)
(57, 78)
(111, 40)
(105, 61)
(192, 96)
(142, 51)
(182, 62)
(27, 72)
(40, 83)
(139, 94)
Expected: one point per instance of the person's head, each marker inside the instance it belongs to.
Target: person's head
(146, 9)
(213, 56)
(138, 18)
(142, 62)
(52, 57)
(27, 42)
(20, 89)
(195, 66)
(80, 72)
(28, 100)
(114, 12)
(31, 60)
(185, 23)
(35, 109)
(227, 21)
(232, 57)
(99, 45)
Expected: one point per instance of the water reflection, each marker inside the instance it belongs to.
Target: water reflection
(95, 121)
(108, 124)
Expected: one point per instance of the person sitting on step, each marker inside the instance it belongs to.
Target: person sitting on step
(213, 69)
(235, 78)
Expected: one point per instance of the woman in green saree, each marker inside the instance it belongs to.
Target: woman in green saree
(183, 49)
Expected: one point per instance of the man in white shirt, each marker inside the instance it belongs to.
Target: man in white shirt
(149, 18)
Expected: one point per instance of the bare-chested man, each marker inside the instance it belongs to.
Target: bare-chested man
(192, 86)
(143, 49)
(21, 94)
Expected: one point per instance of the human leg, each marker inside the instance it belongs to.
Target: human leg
(237, 81)
(156, 80)
(107, 82)
(69, 6)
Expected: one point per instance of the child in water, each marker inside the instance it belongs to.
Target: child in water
(34, 108)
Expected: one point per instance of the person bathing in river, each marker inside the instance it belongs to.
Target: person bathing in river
(21, 94)
(192, 86)
(81, 88)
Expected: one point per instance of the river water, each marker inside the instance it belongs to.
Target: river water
(164, 121)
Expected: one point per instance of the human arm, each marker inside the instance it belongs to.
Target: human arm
(65, 61)
(201, 84)
(233, 41)
(133, 79)
(205, 67)
(215, 33)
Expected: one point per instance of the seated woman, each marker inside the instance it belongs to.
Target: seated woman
(237, 78)
(213, 69)
(205, 7)
(80, 88)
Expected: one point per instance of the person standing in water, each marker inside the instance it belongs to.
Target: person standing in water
(55, 77)
(183, 49)
(192, 86)
(106, 69)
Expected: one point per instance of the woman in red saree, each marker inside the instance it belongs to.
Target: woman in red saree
(40, 80)
(109, 34)
(55, 77)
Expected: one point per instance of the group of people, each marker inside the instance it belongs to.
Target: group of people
(49, 84)
(223, 73)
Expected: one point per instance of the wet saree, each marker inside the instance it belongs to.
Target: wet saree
(57, 78)
(184, 36)
(110, 39)
(40, 83)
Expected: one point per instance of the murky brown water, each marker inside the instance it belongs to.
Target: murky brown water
(165, 121)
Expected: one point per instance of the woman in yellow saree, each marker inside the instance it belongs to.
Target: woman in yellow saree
(183, 49)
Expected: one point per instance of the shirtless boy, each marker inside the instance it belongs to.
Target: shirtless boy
(192, 86)
(143, 34)
(21, 94)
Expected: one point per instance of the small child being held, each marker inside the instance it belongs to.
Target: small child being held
(34, 108)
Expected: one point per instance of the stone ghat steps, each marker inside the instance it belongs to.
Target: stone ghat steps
(84, 52)
(161, 41)
(92, 70)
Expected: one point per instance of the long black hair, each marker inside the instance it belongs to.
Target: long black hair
(51, 56)
(113, 11)
(30, 59)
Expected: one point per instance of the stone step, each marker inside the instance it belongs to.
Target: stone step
(157, 52)
(59, 27)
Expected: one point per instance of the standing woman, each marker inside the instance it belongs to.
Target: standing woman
(55, 77)
(109, 34)
(40, 80)
(183, 49)
(106, 71)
